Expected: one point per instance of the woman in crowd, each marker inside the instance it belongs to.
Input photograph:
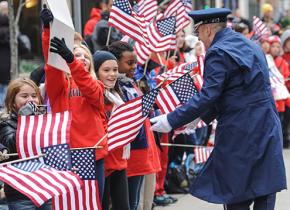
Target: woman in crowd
(116, 183)
(19, 92)
(143, 148)
(79, 92)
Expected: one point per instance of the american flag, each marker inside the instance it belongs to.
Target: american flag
(124, 18)
(38, 181)
(142, 52)
(57, 156)
(87, 198)
(260, 29)
(175, 94)
(198, 81)
(202, 154)
(278, 87)
(128, 118)
(188, 5)
(161, 34)
(198, 123)
(178, 8)
(147, 8)
(176, 72)
(36, 132)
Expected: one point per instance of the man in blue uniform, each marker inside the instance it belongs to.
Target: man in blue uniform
(246, 164)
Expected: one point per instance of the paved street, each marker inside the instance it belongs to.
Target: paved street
(188, 202)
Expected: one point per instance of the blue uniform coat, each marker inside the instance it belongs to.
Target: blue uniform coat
(247, 160)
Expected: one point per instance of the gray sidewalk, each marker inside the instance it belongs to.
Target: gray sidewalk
(188, 202)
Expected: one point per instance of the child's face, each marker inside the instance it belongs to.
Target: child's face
(287, 45)
(180, 39)
(25, 94)
(83, 56)
(265, 47)
(127, 63)
(275, 49)
(108, 73)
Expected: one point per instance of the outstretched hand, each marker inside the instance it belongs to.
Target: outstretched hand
(46, 16)
(160, 124)
(59, 46)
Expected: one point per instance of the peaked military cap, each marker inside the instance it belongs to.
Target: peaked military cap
(211, 15)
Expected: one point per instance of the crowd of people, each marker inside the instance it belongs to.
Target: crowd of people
(104, 74)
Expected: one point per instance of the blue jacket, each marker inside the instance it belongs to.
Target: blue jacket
(247, 160)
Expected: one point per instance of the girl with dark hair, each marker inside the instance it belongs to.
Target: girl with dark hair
(116, 183)
(143, 148)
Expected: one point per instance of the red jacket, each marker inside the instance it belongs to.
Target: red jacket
(282, 65)
(286, 57)
(92, 22)
(144, 161)
(83, 96)
(114, 160)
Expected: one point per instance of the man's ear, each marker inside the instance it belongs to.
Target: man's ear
(208, 29)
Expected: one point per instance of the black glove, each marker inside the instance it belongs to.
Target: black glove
(46, 16)
(58, 46)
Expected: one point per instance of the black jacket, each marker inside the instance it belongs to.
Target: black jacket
(8, 129)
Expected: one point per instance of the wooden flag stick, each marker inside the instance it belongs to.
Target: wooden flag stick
(94, 147)
(109, 35)
(101, 140)
(180, 145)
(21, 160)
(11, 154)
(160, 59)
(146, 65)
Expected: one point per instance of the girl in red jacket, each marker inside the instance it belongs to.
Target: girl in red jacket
(116, 183)
(79, 92)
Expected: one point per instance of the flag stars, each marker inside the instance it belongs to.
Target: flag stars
(147, 101)
(84, 161)
(57, 156)
(184, 83)
(123, 5)
(166, 26)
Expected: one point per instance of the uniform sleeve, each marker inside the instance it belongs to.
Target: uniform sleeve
(92, 89)
(210, 115)
(55, 82)
(216, 67)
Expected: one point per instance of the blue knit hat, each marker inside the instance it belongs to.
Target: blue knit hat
(100, 57)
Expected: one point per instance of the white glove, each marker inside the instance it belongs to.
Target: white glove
(160, 124)
(3, 155)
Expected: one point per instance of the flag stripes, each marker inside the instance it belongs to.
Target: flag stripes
(79, 199)
(147, 8)
(121, 132)
(177, 9)
(161, 34)
(40, 184)
(167, 101)
(38, 131)
(128, 118)
(260, 29)
(127, 21)
(202, 154)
